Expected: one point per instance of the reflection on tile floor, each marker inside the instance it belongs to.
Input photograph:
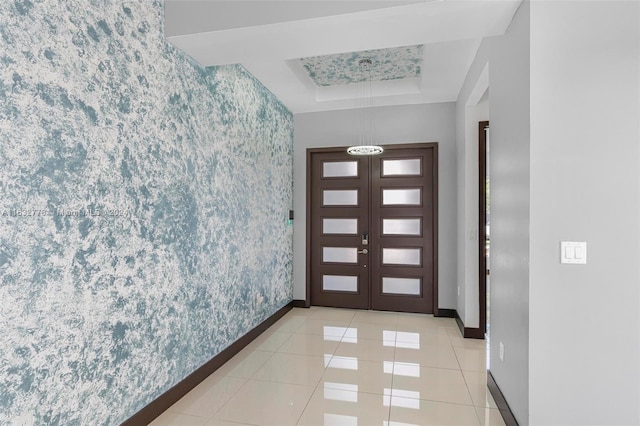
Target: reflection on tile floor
(327, 366)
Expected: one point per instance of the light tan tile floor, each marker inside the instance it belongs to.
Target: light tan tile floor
(327, 366)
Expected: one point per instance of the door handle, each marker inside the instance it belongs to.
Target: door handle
(363, 251)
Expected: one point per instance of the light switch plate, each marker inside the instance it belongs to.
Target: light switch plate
(573, 252)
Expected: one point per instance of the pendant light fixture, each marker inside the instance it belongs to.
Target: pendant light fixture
(365, 113)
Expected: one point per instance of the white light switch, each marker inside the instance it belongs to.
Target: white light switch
(573, 252)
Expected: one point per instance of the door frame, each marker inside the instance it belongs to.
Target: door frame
(482, 226)
(434, 146)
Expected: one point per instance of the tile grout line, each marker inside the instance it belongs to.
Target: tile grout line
(246, 380)
(352, 322)
(393, 370)
(316, 388)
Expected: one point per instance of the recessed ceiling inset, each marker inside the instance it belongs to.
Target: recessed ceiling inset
(387, 64)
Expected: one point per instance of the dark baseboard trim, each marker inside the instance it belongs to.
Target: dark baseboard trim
(300, 304)
(473, 333)
(445, 313)
(170, 397)
(460, 323)
(501, 402)
(468, 332)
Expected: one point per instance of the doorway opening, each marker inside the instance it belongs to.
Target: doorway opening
(484, 225)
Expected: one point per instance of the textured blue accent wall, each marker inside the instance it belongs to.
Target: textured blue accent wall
(143, 209)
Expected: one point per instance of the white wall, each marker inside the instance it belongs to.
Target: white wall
(470, 281)
(584, 322)
(505, 62)
(510, 91)
(565, 131)
(472, 106)
(398, 124)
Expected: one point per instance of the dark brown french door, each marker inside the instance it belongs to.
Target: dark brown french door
(372, 229)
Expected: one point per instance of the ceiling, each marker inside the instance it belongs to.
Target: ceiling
(307, 51)
(396, 63)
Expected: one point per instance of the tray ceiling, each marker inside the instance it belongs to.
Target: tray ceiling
(386, 64)
(304, 50)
